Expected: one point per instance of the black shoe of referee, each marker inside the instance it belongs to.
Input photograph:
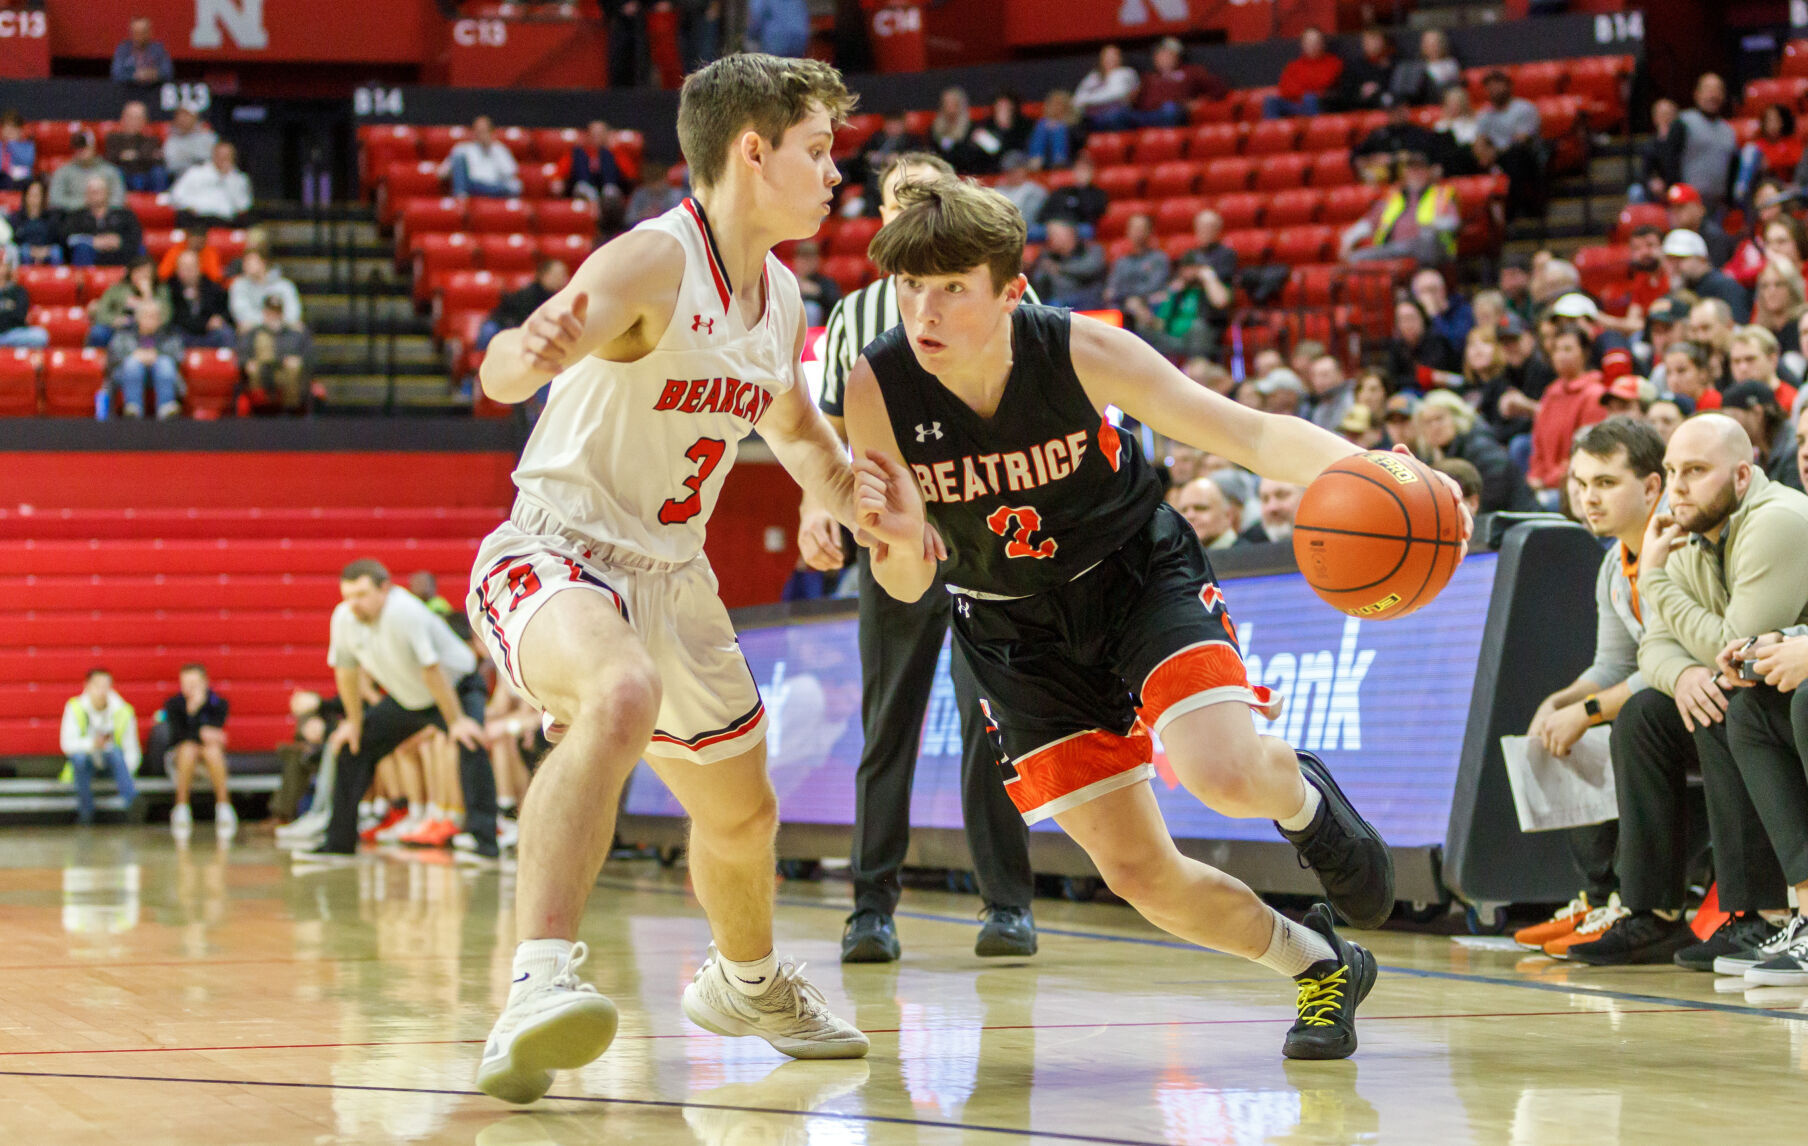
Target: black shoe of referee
(1347, 853)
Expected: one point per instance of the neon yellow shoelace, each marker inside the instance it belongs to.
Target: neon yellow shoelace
(1319, 998)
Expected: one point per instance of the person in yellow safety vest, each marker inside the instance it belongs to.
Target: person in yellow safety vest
(1417, 220)
(99, 727)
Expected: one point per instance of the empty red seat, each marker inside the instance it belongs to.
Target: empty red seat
(53, 137)
(437, 253)
(67, 325)
(1175, 216)
(19, 369)
(555, 143)
(1475, 192)
(1347, 204)
(518, 140)
(504, 253)
(381, 146)
(1314, 284)
(470, 290)
(433, 216)
(438, 141)
(1176, 244)
(918, 122)
(1251, 245)
(1539, 79)
(569, 249)
(1240, 210)
(537, 179)
(411, 180)
(1295, 207)
(71, 379)
(97, 279)
(158, 243)
(1124, 181)
(1178, 177)
(1272, 137)
(1297, 246)
(1785, 90)
(154, 210)
(1281, 172)
(213, 379)
(1118, 214)
(51, 286)
(565, 217)
(1325, 132)
(1215, 140)
(1108, 148)
(850, 272)
(1795, 59)
(1201, 111)
(853, 236)
(1332, 168)
(1602, 266)
(229, 242)
(1558, 115)
(1636, 215)
(1158, 145)
(501, 216)
(1223, 176)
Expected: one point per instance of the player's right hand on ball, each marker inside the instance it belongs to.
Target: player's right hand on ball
(551, 334)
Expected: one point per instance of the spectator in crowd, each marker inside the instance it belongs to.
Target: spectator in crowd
(1654, 156)
(1467, 478)
(1701, 148)
(1667, 413)
(275, 359)
(1446, 427)
(99, 235)
(627, 35)
(99, 727)
(1458, 122)
(1711, 326)
(591, 171)
(1283, 392)
(1515, 284)
(1418, 220)
(215, 193)
(1450, 317)
(1767, 733)
(1508, 138)
(37, 236)
(1739, 579)
(550, 277)
(1332, 394)
(1142, 271)
(1364, 81)
(148, 351)
(1372, 392)
(1647, 280)
(199, 308)
(197, 241)
(1689, 213)
(140, 59)
(1426, 79)
(1688, 372)
(117, 308)
(820, 292)
(1397, 418)
(69, 183)
(1771, 204)
(1056, 138)
(1106, 96)
(196, 719)
(1416, 351)
(1753, 354)
(1079, 203)
(1375, 157)
(1616, 480)
(481, 165)
(1006, 124)
(1214, 517)
(1170, 84)
(190, 142)
(15, 307)
(1691, 269)
(1070, 271)
(425, 587)
(779, 27)
(1306, 80)
(1780, 301)
(18, 154)
(1776, 151)
(893, 138)
(258, 281)
(136, 152)
(1279, 501)
(1571, 402)
(1485, 374)
(655, 195)
(970, 150)
(1188, 316)
(1025, 194)
(1665, 322)
(1755, 407)
(316, 719)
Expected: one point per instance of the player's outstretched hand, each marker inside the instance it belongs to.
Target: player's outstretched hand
(553, 331)
(887, 505)
(819, 540)
(1456, 491)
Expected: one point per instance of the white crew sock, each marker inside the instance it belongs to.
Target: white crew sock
(1292, 948)
(753, 978)
(1302, 819)
(537, 960)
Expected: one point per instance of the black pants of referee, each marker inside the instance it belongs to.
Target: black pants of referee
(386, 725)
(1652, 753)
(899, 646)
(1768, 732)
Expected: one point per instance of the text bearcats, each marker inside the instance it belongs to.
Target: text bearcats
(715, 396)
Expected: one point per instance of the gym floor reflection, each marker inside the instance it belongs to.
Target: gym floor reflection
(156, 994)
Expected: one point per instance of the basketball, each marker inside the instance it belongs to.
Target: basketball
(1378, 535)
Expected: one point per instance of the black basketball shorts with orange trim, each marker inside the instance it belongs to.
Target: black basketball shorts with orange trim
(1073, 680)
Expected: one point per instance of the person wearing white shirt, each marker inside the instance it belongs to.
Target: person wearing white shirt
(1105, 96)
(190, 142)
(481, 165)
(214, 192)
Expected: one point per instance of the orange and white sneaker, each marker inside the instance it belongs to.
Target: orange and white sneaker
(1567, 919)
(1591, 929)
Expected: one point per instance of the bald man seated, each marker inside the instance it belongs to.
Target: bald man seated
(1214, 515)
(1722, 561)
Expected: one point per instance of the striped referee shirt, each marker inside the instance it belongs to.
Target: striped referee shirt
(856, 320)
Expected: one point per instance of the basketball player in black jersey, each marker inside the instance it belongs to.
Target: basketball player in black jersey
(1085, 606)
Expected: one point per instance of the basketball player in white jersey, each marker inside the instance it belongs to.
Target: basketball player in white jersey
(666, 348)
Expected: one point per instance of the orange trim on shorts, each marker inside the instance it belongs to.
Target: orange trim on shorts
(1056, 771)
(1193, 670)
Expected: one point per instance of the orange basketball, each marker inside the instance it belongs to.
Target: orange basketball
(1378, 535)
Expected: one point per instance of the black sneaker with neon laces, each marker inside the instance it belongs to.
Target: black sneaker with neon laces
(1347, 853)
(1329, 993)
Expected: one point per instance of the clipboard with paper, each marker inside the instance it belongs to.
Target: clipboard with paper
(1568, 792)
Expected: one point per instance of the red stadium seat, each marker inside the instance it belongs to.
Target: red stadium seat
(1177, 244)
(158, 243)
(1240, 210)
(569, 249)
(1326, 132)
(19, 370)
(850, 272)
(1786, 90)
(1177, 177)
(1600, 267)
(1202, 111)
(53, 137)
(1367, 121)
(537, 179)
(1273, 137)
(552, 144)
(1118, 214)
(1312, 285)
(1332, 169)
(1118, 248)
(436, 253)
(1475, 192)
(381, 146)
(437, 142)
(1636, 215)
(71, 379)
(96, 281)
(1558, 115)
(1158, 145)
(1215, 140)
(419, 179)
(1175, 216)
(565, 217)
(432, 216)
(1223, 176)
(918, 122)
(1108, 148)
(860, 128)
(154, 210)
(51, 286)
(1251, 245)
(1795, 59)
(1124, 181)
(518, 140)
(503, 253)
(1283, 172)
(853, 236)
(1297, 246)
(470, 290)
(501, 216)
(213, 379)
(1348, 204)
(230, 243)
(1250, 101)
(67, 325)
(1539, 79)
(1295, 207)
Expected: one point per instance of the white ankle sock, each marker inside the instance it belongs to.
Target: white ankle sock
(753, 978)
(1292, 947)
(1302, 819)
(537, 960)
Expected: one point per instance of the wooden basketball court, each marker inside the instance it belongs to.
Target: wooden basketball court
(151, 994)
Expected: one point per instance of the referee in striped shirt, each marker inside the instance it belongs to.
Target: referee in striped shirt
(899, 646)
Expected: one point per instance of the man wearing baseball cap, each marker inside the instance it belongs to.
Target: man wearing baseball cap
(1692, 269)
(1625, 393)
(1754, 406)
(1689, 213)
(1665, 322)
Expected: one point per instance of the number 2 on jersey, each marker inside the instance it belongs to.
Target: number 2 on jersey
(1028, 521)
(707, 453)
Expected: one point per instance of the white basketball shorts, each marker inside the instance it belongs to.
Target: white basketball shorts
(711, 707)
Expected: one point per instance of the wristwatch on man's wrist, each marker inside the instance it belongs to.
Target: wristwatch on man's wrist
(1591, 704)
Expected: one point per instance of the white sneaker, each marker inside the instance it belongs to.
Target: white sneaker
(225, 821)
(306, 859)
(181, 820)
(304, 827)
(562, 1026)
(792, 1015)
(508, 834)
(406, 826)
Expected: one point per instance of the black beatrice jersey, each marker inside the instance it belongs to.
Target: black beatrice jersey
(1033, 496)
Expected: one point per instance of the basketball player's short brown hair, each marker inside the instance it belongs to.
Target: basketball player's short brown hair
(908, 159)
(948, 227)
(769, 94)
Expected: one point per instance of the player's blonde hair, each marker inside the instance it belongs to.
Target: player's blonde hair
(948, 227)
(751, 90)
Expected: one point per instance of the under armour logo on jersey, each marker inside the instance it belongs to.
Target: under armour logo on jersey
(706, 325)
(963, 606)
(932, 430)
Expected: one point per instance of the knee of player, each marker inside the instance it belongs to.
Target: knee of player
(624, 696)
(1137, 878)
(1223, 776)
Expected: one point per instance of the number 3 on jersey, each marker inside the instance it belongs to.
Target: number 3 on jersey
(1028, 521)
(707, 453)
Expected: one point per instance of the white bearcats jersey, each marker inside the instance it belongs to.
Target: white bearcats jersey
(633, 454)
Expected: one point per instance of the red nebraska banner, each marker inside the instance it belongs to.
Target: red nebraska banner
(397, 31)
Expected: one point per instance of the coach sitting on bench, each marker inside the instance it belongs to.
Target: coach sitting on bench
(432, 679)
